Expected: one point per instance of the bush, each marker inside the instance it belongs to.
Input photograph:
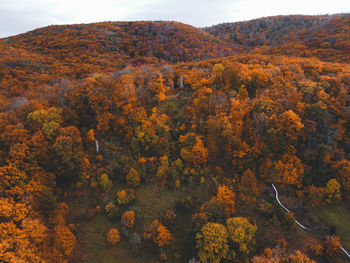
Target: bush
(128, 218)
(105, 183)
(133, 178)
(113, 211)
(113, 236)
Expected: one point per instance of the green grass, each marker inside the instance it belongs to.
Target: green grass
(92, 236)
(153, 202)
(339, 217)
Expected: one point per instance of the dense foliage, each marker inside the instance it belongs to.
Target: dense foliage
(173, 137)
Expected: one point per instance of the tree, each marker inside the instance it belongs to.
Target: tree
(333, 191)
(112, 211)
(159, 234)
(285, 130)
(133, 177)
(212, 242)
(48, 120)
(164, 236)
(241, 232)
(288, 170)
(48, 200)
(124, 197)
(64, 239)
(169, 217)
(247, 183)
(227, 197)
(105, 183)
(13, 180)
(113, 236)
(193, 150)
(91, 135)
(215, 211)
(343, 171)
(156, 87)
(298, 257)
(331, 246)
(69, 155)
(128, 218)
(315, 195)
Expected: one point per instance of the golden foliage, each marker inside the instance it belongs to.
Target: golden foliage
(212, 243)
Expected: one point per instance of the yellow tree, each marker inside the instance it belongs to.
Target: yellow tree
(343, 170)
(212, 242)
(241, 232)
(333, 190)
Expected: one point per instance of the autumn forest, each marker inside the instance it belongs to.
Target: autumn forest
(163, 142)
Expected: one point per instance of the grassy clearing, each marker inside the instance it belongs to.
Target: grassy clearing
(92, 236)
(153, 202)
(339, 217)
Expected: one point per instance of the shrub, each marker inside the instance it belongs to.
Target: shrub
(128, 218)
(113, 236)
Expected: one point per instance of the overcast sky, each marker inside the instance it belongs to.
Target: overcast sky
(19, 16)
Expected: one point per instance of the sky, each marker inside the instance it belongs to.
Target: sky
(19, 16)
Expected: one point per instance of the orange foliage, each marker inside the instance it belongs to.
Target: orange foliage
(227, 197)
(128, 218)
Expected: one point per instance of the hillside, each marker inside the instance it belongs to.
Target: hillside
(113, 45)
(325, 37)
(160, 142)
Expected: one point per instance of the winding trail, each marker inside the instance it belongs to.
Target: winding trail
(304, 227)
(285, 208)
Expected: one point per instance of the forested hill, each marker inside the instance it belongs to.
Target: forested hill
(115, 44)
(326, 37)
(105, 46)
(159, 142)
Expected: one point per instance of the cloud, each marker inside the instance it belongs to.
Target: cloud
(22, 15)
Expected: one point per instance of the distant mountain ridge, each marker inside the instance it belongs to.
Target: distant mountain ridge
(97, 47)
(326, 37)
(121, 43)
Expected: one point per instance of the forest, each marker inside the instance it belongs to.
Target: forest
(162, 142)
